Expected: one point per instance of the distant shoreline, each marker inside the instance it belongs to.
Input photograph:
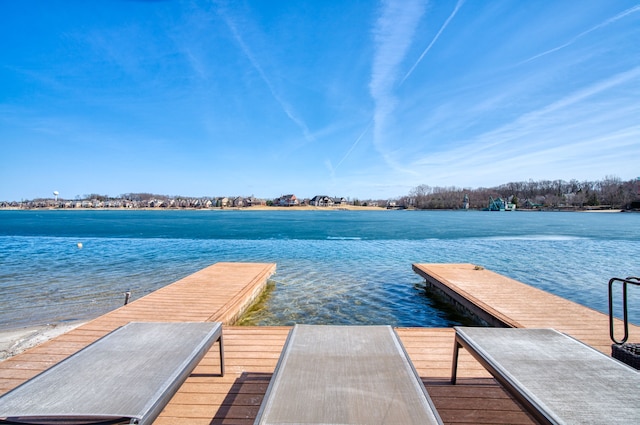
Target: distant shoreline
(305, 208)
(253, 208)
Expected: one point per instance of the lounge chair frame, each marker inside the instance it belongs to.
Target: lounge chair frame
(557, 378)
(345, 375)
(128, 376)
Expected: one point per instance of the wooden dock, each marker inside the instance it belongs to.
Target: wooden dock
(218, 293)
(222, 291)
(501, 301)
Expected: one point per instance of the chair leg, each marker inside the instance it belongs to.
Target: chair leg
(454, 365)
(221, 357)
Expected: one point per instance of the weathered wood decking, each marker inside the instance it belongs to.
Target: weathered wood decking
(500, 300)
(220, 292)
(251, 354)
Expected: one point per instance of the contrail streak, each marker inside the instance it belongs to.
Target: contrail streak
(354, 145)
(442, 28)
(256, 65)
(619, 16)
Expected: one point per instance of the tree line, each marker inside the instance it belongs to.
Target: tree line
(610, 192)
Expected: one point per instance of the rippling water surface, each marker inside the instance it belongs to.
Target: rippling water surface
(339, 267)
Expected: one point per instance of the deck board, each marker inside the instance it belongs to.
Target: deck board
(523, 306)
(251, 355)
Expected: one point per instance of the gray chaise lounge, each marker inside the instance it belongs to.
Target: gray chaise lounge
(558, 379)
(345, 375)
(128, 376)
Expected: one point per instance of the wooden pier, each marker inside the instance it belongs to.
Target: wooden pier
(501, 301)
(222, 291)
(218, 293)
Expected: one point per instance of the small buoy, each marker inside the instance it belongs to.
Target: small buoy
(79, 245)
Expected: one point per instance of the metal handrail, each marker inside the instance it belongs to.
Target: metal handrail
(634, 281)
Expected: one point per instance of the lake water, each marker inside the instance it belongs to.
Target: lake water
(334, 267)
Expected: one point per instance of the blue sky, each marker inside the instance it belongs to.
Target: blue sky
(362, 99)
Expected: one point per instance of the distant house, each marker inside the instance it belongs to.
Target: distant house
(253, 201)
(497, 204)
(321, 201)
(287, 201)
(530, 204)
(327, 201)
(222, 202)
(239, 202)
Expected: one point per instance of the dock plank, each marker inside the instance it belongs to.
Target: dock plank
(519, 305)
(251, 355)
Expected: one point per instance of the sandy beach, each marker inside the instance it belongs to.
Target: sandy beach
(15, 341)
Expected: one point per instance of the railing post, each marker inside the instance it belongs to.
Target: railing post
(625, 314)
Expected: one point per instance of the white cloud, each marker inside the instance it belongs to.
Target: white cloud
(571, 137)
(393, 34)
